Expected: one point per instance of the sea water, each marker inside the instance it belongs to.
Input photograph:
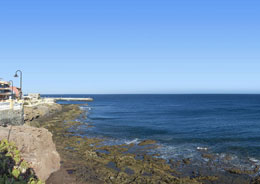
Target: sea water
(183, 125)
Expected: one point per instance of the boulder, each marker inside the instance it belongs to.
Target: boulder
(36, 147)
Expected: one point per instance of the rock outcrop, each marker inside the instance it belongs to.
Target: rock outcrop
(41, 110)
(36, 147)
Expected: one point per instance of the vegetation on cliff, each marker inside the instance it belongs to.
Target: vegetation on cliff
(13, 169)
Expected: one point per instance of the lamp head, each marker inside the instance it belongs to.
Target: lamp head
(16, 75)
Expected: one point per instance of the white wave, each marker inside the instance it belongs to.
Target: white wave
(168, 152)
(254, 160)
(202, 148)
(111, 141)
(135, 141)
(85, 108)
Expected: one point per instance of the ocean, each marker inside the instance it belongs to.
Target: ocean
(181, 124)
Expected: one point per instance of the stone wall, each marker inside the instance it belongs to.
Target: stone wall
(12, 117)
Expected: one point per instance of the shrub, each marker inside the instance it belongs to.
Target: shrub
(13, 169)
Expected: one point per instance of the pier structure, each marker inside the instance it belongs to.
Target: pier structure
(73, 99)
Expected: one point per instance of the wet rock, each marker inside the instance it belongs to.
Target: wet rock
(123, 160)
(129, 171)
(208, 178)
(91, 154)
(186, 161)
(146, 142)
(256, 169)
(228, 157)
(208, 156)
(239, 171)
(256, 180)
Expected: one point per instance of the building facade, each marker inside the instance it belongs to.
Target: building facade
(5, 90)
(16, 92)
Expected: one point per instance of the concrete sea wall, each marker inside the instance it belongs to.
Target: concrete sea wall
(12, 117)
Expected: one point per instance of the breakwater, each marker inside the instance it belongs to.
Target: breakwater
(72, 99)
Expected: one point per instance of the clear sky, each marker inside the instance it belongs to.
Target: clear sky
(132, 46)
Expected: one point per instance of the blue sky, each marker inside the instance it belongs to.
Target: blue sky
(132, 46)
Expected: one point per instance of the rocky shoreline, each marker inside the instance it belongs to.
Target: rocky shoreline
(51, 144)
(41, 111)
(88, 160)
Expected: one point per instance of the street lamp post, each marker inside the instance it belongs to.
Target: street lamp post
(12, 95)
(21, 81)
(12, 91)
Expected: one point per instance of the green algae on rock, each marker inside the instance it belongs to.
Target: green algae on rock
(146, 142)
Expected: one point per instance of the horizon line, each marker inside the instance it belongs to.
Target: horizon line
(149, 93)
